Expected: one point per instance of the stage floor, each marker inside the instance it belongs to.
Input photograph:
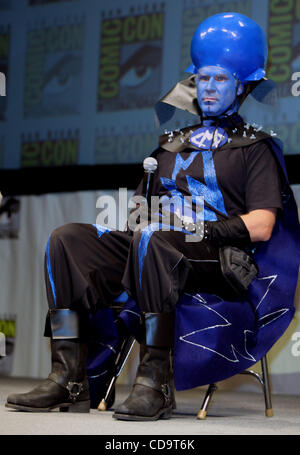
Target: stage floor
(230, 413)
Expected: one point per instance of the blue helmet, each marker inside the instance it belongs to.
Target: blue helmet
(231, 41)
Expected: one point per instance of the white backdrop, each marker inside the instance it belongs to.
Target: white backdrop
(22, 291)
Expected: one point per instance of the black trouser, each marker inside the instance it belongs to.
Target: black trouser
(87, 269)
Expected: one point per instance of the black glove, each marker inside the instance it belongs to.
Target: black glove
(230, 232)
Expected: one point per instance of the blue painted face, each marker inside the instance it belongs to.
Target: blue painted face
(217, 90)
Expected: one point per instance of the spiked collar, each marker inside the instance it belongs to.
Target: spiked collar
(240, 134)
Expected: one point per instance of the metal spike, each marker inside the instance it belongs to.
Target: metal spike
(252, 136)
(244, 134)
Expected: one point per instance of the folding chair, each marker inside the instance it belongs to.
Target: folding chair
(121, 359)
(263, 378)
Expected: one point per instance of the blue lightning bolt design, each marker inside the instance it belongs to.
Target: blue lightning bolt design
(210, 191)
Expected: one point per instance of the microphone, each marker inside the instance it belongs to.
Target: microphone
(150, 165)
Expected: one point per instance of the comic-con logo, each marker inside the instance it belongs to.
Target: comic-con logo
(58, 148)
(130, 61)
(284, 59)
(209, 138)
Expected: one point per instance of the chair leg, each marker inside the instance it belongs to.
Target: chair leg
(207, 399)
(266, 387)
(119, 364)
(264, 381)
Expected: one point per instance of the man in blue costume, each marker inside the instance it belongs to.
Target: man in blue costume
(233, 166)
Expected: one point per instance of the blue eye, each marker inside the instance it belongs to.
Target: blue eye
(220, 78)
(203, 78)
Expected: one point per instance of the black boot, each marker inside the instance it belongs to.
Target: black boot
(143, 351)
(151, 397)
(66, 387)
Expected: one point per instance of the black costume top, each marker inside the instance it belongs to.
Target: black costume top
(217, 338)
(235, 174)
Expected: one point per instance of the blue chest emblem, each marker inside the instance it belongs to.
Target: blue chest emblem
(209, 138)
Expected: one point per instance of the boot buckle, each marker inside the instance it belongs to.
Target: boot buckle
(75, 389)
(166, 392)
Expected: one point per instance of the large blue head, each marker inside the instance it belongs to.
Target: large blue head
(231, 41)
(228, 50)
(229, 53)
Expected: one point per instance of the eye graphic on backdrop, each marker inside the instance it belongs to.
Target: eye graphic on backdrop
(61, 77)
(140, 66)
(136, 76)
